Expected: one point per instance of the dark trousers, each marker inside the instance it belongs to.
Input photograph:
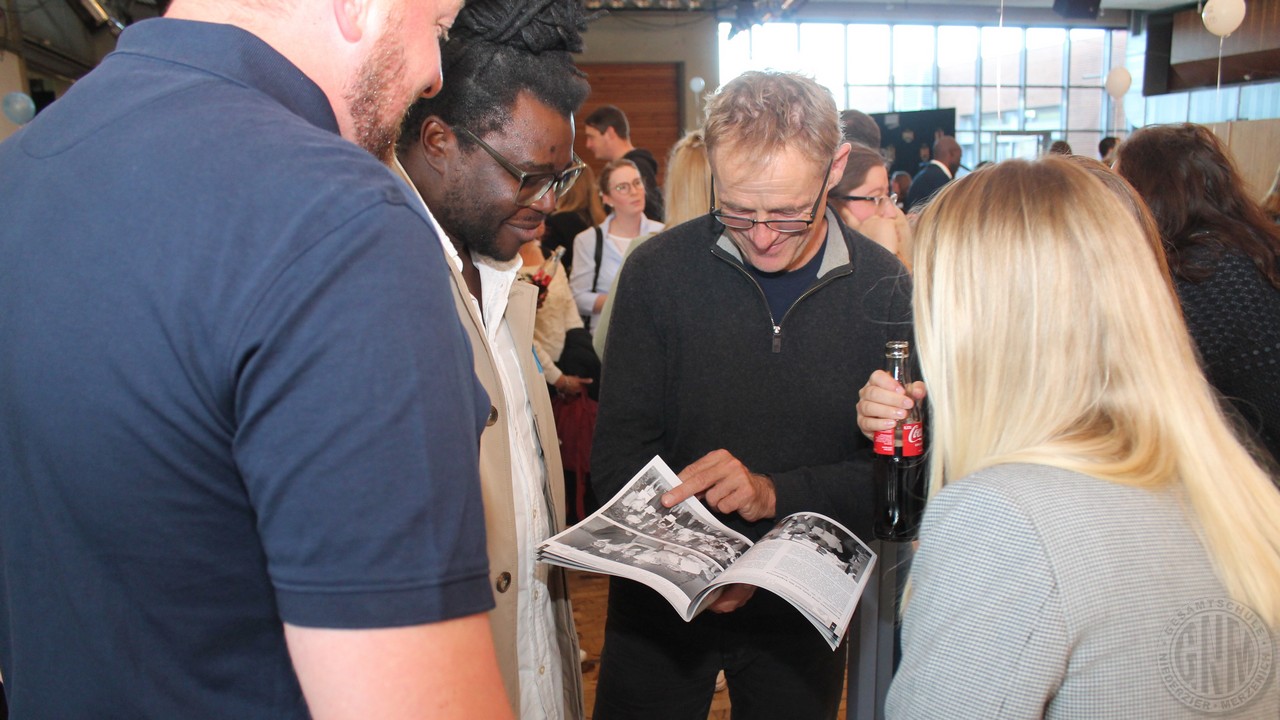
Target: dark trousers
(655, 665)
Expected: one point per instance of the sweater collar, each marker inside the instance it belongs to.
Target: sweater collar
(835, 253)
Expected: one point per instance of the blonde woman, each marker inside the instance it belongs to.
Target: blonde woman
(577, 210)
(687, 187)
(1098, 542)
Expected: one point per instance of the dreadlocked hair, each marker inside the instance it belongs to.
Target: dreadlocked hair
(498, 49)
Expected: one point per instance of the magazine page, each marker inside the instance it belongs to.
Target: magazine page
(813, 562)
(677, 551)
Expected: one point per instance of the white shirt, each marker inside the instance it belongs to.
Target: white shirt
(945, 169)
(541, 682)
(584, 262)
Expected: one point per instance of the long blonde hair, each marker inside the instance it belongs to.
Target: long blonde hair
(686, 194)
(1048, 335)
(583, 198)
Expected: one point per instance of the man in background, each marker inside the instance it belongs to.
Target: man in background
(860, 128)
(731, 350)
(1107, 150)
(938, 172)
(490, 154)
(609, 138)
(238, 422)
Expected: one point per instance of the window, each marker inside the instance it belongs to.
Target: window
(1001, 56)
(913, 55)
(868, 55)
(1013, 89)
(957, 55)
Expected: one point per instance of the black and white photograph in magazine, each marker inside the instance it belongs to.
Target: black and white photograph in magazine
(685, 568)
(640, 508)
(818, 533)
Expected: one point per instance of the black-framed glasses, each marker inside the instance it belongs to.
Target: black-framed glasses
(533, 186)
(891, 198)
(789, 226)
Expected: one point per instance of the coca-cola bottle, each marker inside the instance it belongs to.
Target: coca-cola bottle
(898, 476)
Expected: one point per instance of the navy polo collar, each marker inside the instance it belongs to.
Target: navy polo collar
(234, 54)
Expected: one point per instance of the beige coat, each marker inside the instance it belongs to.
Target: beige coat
(498, 493)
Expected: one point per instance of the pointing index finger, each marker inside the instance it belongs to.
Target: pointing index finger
(685, 490)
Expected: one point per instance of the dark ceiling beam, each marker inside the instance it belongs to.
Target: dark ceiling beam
(47, 59)
(11, 28)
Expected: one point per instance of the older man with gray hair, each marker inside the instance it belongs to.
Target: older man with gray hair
(737, 346)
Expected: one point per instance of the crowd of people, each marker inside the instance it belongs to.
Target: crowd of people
(281, 401)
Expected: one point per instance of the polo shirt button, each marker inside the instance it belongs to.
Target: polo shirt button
(542, 669)
(493, 416)
(504, 582)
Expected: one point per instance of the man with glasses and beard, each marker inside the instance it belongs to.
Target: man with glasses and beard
(490, 154)
(735, 352)
(238, 421)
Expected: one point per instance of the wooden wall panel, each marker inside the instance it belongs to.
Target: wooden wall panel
(1251, 53)
(1259, 31)
(649, 93)
(1255, 148)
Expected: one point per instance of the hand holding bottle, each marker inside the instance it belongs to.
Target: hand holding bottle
(882, 402)
(898, 469)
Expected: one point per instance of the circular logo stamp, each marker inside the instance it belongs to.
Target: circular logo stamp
(1217, 654)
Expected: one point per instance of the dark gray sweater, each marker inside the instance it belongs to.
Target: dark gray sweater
(694, 364)
(1234, 318)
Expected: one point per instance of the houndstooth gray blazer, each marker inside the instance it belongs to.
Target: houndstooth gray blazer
(1039, 592)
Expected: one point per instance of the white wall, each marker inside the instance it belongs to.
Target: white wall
(683, 37)
(12, 79)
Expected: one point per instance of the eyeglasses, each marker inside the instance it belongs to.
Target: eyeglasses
(891, 198)
(533, 186)
(636, 185)
(788, 226)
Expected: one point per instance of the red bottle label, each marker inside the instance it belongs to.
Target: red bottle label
(883, 442)
(912, 439)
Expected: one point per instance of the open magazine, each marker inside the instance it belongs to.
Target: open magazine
(689, 556)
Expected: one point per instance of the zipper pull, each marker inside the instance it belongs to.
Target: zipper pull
(777, 338)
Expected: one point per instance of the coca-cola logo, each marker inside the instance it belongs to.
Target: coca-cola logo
(915, 434)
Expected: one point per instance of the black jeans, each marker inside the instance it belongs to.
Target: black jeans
(655, 665)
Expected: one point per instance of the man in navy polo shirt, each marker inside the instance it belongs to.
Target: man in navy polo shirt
(238, 422)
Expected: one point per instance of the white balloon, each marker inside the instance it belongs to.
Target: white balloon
(1118, 82)
(696, 84)
(1222, 17)
(19, 107)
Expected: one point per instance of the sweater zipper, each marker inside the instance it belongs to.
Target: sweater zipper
(777, 329)
(775, 324)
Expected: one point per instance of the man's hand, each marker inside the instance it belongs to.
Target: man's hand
(733, 597)
(725, 485)
(883, 402)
